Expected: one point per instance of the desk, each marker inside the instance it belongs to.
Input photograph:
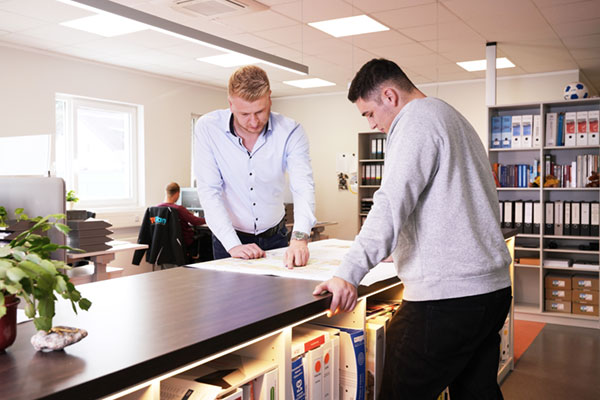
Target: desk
(143, 326)
(102, 258)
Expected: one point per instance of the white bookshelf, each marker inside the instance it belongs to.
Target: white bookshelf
(529, 296)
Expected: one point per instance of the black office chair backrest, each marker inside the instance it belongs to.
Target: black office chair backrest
(161, 231)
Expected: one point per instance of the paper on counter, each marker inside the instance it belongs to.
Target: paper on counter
(325, 257)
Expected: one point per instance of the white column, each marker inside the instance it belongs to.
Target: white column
(490, 74)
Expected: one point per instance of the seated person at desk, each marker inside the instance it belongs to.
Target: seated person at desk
(186, 218)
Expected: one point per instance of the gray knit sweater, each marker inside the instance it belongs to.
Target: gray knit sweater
(436, 211)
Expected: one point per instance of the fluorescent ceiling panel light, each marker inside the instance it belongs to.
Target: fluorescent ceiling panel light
(229, 60)
(107, 25)
(480, 65)
(309, 83)
(185, 32)
(349, 26)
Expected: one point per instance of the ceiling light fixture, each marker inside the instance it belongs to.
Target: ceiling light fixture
(309, 83)
(357, 25)
(481, 65)
(187, 33)
(107, 25)
(229, 60)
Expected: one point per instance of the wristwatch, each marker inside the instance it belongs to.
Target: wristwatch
(297, 235)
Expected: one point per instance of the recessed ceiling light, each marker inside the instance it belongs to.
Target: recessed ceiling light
(349, 26)
(480, 65)
(229, 60)
(309, 83)
(107, 25)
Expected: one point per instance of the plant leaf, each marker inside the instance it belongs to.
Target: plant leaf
(85, 304)
(15, 274)
(43, 323)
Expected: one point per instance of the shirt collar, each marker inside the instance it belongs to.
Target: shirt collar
(268, 128)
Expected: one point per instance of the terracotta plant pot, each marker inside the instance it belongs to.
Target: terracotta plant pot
(8, 323)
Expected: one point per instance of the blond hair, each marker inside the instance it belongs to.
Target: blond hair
(249, 82)
(172, 188)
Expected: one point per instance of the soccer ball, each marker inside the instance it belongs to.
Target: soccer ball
(575, 91)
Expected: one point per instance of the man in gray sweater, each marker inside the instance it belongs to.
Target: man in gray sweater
(437, 214)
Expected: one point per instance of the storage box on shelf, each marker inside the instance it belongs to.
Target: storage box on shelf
(371, 151)
(557, 144)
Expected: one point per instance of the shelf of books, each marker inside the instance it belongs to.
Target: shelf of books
(546, 158)
(339, 357)
(371, 151)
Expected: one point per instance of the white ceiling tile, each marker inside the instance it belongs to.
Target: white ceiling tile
(468, 10)
(587, 27)
(14, 22)
(315, 10)
(191, 50)
(285, 52)
(370, 6)
(402, 50)
(415, 16)
(44, 10)
(512, 27)
(151, 39)
(114, 46)
(591, 53)
(582, 42)
(292, 35)
(573, 12)
(326, 46)
(61, 34)
(377, 39)
(257, 21)
(456, 45)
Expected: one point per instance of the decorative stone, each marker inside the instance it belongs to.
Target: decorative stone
(57, 338)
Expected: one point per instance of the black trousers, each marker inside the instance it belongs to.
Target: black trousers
(431, 345)
(274, 240)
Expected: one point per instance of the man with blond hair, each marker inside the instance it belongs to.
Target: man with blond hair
(241, 156)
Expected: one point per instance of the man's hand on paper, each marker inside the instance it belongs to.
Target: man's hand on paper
(297, 254)
(344, 295)
(247, 251)
(389, 259)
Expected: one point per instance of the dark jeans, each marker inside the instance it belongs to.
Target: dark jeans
(279, 239)
(431, 345)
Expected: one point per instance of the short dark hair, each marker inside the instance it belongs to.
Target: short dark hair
(172, 188)
(373, 74)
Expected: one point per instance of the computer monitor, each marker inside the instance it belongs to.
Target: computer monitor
(188, 198)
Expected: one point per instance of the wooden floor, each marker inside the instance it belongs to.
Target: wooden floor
(562, 363)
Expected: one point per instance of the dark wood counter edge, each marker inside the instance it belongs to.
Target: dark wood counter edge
(509, 232)
(150, 369)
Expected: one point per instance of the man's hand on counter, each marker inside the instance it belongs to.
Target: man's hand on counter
(247, 251)
(297, 254)
(344, 295)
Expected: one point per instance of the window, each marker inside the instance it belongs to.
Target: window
(98, 151)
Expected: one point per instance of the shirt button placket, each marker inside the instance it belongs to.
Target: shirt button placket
(251, 184)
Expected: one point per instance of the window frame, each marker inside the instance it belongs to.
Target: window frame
(69, 148)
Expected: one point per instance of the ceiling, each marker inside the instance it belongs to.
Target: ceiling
(426, 38)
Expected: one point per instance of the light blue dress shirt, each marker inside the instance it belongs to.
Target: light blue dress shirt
(243, 190)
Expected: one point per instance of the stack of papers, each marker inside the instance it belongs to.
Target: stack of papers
(325, 257)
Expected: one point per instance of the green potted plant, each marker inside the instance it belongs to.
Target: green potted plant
(28, 273)
(3, 216)
(71, 199)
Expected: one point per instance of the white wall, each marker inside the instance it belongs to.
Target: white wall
(29, 81)
(332, 123)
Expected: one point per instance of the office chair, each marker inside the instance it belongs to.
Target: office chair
(161, 231)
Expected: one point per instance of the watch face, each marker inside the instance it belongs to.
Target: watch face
(300, 236)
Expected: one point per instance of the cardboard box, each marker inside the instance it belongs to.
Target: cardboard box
(585, 296)
(558, 306)
(585, 282)
(558, 294)
(585, 309)
(554, 281)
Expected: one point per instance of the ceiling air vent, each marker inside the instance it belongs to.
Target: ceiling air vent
(218, 8)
